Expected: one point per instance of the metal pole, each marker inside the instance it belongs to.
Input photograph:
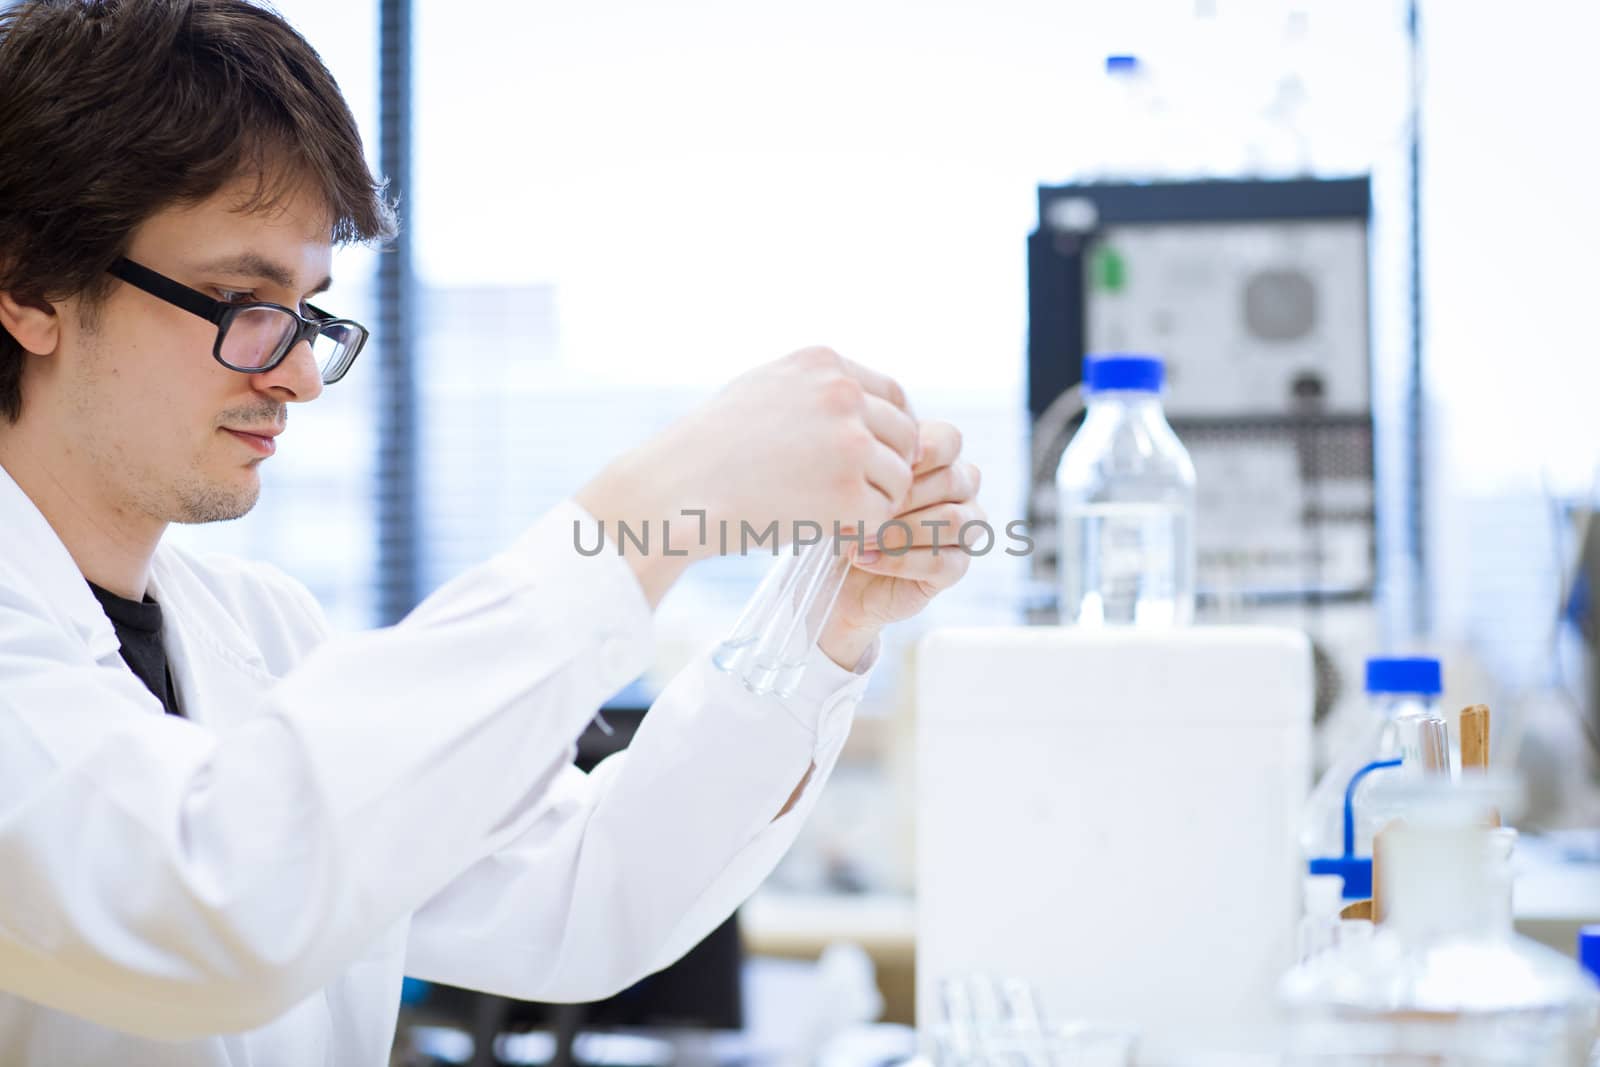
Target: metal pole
(1422, 606)
(398, 536)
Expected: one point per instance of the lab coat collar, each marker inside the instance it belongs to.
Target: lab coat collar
(207, 648)
(45, 562)
(218, 671)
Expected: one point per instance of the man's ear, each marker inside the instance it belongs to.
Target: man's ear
(32, 322)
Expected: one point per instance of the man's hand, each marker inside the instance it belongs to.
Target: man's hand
(811, 436)
(905, 574)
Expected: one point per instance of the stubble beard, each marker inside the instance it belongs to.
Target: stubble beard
(198, 501)
(189, 497)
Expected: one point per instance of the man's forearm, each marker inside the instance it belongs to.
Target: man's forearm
(631, 490)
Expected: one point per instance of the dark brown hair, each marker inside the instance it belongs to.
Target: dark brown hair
(111, 110)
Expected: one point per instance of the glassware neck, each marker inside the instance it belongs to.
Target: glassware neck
(1390, 706)
(1123, 397)
(1137, 404)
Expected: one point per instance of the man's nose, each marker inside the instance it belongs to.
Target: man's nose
(296, 380)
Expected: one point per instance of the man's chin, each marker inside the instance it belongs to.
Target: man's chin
(217, 502)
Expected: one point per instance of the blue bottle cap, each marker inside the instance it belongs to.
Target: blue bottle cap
(1413, 674)
(1589, 950)
(1121, 64)
(1123, 370)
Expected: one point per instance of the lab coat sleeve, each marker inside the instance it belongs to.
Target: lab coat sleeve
(173, 881)
(623, 870)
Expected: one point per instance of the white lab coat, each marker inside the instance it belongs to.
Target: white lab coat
(248, 885)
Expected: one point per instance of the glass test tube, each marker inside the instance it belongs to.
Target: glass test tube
(768, 647)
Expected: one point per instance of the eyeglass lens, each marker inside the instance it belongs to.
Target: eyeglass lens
(257, 337)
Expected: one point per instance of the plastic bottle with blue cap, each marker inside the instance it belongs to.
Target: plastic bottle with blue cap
(1341, 817)
(1125, 494)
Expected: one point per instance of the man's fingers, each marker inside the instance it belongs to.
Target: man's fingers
(953, 484)
(940, 568)
(939, 525)
(879, 385)
(892, 426)
(889, 473)
(940, 445)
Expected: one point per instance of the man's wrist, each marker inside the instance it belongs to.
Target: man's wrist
(846, 645)
(663, 541)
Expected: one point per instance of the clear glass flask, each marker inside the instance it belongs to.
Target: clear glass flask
(769, 645)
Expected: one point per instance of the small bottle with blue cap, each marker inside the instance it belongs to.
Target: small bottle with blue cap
(1125, 495)
(1341, 818)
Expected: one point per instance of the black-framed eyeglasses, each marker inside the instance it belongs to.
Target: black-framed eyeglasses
(254, 337)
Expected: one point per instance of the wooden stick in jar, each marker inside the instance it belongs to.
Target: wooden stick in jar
(1475, 744)
(1475, 737)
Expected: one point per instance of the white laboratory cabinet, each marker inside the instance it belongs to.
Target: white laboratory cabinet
(1112, 816)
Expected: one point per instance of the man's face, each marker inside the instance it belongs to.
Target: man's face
(159, 427)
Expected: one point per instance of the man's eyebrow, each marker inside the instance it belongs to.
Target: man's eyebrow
(255, 265)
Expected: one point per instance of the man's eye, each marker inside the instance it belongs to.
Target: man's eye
(233, 296)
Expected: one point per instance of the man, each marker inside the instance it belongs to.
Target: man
(225, 833)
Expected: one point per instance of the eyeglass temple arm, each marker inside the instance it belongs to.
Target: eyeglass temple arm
(190, 300)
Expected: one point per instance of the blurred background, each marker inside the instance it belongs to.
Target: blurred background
(611, 208)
